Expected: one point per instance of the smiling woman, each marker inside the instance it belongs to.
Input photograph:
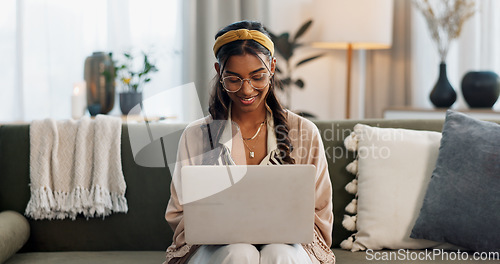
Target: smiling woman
(257, 85)
(248, 126)
(248, 97)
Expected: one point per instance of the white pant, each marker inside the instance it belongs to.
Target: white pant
(249, 254)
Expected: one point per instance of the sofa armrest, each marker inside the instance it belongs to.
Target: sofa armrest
(14, 232)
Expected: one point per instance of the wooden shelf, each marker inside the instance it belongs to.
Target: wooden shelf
(437, 113)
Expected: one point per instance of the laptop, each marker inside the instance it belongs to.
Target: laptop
(248, 204)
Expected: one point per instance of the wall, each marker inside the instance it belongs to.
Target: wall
(324, 94)
(324, 91)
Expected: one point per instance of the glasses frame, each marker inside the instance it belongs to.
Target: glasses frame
(249, 80)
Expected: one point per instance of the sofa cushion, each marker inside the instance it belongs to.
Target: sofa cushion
(148, 193)
(393, 169)
(333, 134)
(14, 232)
(464, 191)
(101, 257)
(142, 228)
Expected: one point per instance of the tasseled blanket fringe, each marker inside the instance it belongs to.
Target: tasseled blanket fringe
(96, 202)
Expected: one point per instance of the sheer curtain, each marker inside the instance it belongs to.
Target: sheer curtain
(388, 73)
(44, 45)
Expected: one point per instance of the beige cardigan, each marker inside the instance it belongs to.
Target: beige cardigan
(307, 149)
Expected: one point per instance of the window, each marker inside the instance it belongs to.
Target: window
(44, 45)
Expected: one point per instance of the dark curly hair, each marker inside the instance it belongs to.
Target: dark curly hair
(219, 101)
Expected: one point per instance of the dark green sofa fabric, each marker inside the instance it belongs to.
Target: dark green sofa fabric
(144, 226)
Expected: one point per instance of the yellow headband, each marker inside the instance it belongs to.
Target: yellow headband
(242, 34)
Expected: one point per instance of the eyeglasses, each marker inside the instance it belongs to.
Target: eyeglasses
(258, 81)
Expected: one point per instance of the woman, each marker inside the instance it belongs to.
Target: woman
(247, 125)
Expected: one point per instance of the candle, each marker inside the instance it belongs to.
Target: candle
(78, 100)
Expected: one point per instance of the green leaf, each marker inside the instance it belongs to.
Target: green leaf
(285, 36)
(284, 48)
(302, 29)
(299, 83)
(282, 44)
(286, 81)
(126, 69)
(309, 59)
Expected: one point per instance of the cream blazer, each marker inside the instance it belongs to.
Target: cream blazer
(202, 144)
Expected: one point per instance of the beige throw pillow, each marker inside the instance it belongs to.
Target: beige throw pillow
(393, 170)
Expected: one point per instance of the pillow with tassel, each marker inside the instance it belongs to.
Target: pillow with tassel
(392, 170)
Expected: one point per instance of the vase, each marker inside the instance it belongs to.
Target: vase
(443, 94)
(99, 74)
(481, 89)
(129, 100)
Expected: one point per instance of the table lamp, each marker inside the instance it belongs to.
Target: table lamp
(354, 24)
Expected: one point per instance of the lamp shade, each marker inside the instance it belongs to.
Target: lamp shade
(365, 24)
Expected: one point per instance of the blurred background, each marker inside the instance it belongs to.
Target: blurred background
(44, 45)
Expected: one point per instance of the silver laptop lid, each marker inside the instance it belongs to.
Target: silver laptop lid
(248, 204)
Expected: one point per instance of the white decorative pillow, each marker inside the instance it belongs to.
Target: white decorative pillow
(393, 169)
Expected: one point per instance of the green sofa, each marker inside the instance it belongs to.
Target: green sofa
(142, 235)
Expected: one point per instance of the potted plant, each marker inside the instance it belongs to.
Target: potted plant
(286, 47)
(133, 76)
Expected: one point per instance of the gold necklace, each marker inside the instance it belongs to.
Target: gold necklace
(251, 152)
(256, 133)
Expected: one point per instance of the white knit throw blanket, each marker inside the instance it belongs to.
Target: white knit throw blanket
(75, 168)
